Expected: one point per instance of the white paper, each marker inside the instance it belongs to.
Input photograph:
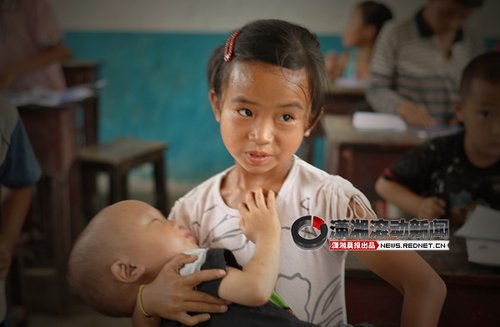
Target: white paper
(482, 223)
(378, 121)
(483, 251)
(49, 98)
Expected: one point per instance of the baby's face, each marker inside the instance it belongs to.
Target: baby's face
(152, 239)
(481, 116)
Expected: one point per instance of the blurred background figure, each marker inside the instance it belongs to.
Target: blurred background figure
(417, 62)
(32, 47)
(19, 172)
(359, 38)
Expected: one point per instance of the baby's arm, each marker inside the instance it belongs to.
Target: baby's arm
(408, 201)
(254, 284)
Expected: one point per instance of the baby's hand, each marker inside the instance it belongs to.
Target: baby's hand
(431, 208)
(259, 217)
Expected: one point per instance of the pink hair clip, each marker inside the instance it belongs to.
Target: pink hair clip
(229, 48)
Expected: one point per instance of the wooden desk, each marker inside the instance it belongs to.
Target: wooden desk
(472, 296)
(361, 156)
(77, 72)
(339, 100)
(52, 132)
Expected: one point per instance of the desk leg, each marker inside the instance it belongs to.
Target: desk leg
(160, 187)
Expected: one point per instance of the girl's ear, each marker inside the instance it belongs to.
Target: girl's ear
(315, 120)
(370, 33)
(215, 102)
(125, 271)
(459, 110)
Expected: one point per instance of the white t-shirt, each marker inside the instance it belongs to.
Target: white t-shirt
(310, 281)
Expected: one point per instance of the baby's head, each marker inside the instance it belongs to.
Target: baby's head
(124, 245)
(479, 105)
(366, 22)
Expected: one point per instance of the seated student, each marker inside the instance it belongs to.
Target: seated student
(448, 176)
(359, 37)
(128, 243)
(416, 64)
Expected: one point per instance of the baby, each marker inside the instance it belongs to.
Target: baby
(126, 245)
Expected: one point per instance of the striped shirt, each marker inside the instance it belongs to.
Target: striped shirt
(407, 64)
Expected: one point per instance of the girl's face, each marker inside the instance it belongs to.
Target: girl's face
(263, 114)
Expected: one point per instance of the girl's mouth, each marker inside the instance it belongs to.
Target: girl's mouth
(257, 157)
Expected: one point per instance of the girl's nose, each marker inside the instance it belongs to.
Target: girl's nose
(261, 133)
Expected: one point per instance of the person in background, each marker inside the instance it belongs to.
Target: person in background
(32, 47)
(19, 172)
(359, 38)
(449, 176)
(416, 64)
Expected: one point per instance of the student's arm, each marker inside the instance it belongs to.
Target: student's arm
(254, 284)
(381, 96)
(423, 290)
(171, 296)
(47, 56)
(408, 201)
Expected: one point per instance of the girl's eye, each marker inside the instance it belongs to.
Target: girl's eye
(245, 112)
(286, 117)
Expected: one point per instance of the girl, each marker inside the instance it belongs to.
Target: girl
(359, 38)
(266, 87)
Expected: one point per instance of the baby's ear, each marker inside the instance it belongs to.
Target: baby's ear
(215, 102)
(127, 272)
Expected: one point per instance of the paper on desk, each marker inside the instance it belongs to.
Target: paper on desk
(482, 233)
(49, 98)
(485, 252)
(351, 83)
(482, 223)
(378, 121)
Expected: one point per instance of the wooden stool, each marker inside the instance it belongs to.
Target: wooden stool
(116, 159)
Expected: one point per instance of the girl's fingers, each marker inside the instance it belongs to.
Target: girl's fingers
(188, 320)
(259, 198)
(203, 276)
(271, 200)
(250, 201)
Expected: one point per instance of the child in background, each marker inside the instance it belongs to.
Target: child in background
(128, 243)
(448, 176)
(359, 38)
(266, 88)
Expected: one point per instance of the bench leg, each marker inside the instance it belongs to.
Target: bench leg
(117, 186)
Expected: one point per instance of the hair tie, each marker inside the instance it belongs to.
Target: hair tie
(229, 48)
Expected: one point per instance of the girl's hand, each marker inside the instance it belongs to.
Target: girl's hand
(259, 217)
(171, 295)
(431, 208)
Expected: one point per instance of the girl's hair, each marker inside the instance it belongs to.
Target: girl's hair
(375, 14)
(278, 43)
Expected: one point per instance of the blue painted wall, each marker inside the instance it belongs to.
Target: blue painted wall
(156, 89)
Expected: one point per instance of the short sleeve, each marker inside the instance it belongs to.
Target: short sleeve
(20, 167)
(217, 259)
(414, 168)
(44, 23)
